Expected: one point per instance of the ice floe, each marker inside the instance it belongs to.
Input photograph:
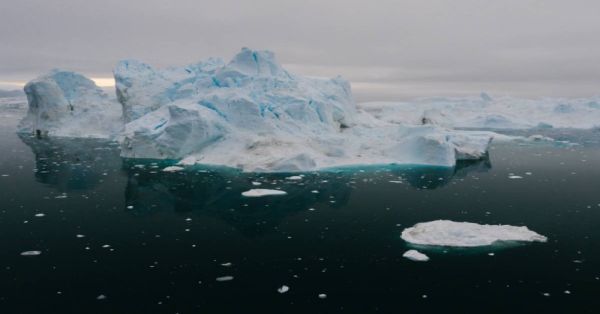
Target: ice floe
(416, 256)
(467, 234)
(262, 192)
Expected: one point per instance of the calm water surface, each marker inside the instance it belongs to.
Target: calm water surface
(121, 236)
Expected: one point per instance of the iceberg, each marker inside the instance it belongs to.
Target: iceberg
(249, 113)
(467, 234)
(485, 112)
(67, 104)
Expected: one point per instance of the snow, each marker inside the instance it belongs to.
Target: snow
(262, 192)
(416, 256)
(485, 112)
(67, 104)
(466, 234)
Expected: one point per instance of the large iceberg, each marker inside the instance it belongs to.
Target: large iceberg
(66, 104)
(252, 114)
(467, 234)
(249, 113)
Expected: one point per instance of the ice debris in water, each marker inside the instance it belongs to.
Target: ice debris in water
(172, 169)
(515, 177)
(262, 192)
(283, 289)
(416, 256)
(31, 253)
(224, 278)
(466, 234)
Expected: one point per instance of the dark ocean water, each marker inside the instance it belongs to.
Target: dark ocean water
(121, 236)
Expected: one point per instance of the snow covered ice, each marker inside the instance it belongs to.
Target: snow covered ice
(466, 234)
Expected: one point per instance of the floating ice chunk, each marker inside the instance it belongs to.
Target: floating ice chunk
(172, 169)
(31, 253)
(224, 278)
(101, 297)
(40, 215)
(515, 177)
(322, 296)
(416, 256)
(466, 234)
(283, 289)
(294, 178)
(262, 192)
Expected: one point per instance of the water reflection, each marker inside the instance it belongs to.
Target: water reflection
(81, 164)
(72, 164)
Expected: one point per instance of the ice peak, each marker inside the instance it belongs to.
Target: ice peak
(256, 63)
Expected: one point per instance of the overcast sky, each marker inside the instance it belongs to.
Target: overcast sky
(390, 50)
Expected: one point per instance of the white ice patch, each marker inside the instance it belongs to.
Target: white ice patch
(466, 234)
(283, 289)
(416, 256)
(224, 278)
(262, 192)
(172, 169)
(31, 253)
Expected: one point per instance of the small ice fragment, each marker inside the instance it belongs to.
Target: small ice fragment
(256, 183)
(224, 278)
(515, 177)
(546, 294)
(226, 264)
(31, 253)
(322, 296)
(262, 192)
(80, 236)
(416, 256)
(40, 215)
(172, 169)
(311, 209)
(106, 246)
(294, 178)
(101, 297)
(283, 289)
(315, 192)
(395, 181)
(130, 207)
(491, 254)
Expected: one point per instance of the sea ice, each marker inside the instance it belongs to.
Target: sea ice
(262, 192)
(416, 256)
(172, 169)
(466, 234)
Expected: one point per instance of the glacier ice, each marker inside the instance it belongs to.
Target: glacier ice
(466, 234)
(252, 114)
(485, 112)
(249, 113)
(66, 104)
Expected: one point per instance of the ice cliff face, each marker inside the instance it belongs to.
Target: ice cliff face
(249, 113)
(67, 104)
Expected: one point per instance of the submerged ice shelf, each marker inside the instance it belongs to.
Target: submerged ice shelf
(249, 113)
